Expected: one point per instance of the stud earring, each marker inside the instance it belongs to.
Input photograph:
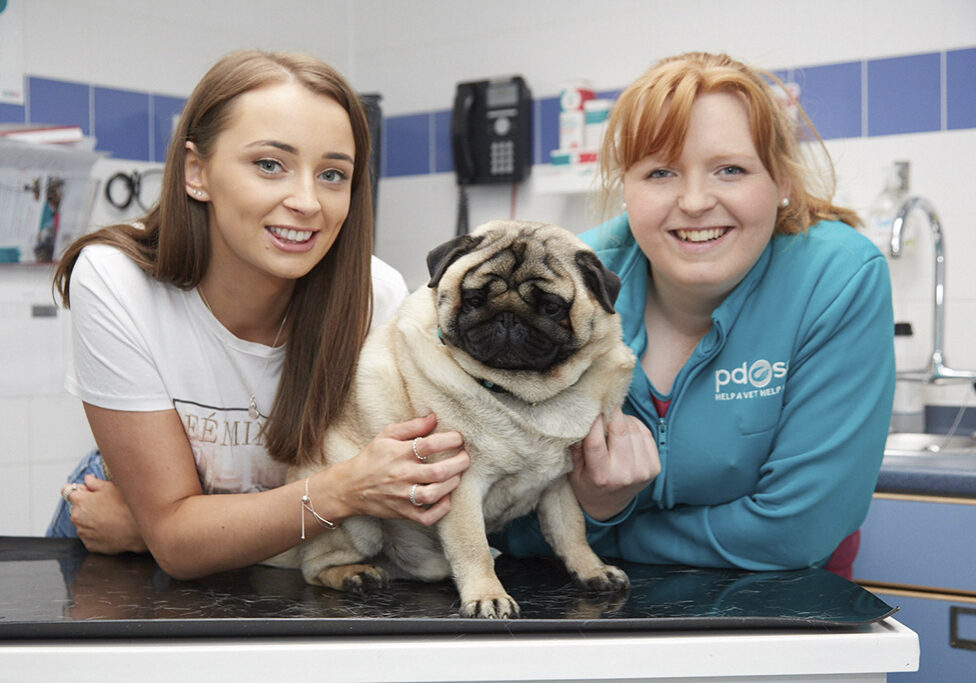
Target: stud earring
(784, 202)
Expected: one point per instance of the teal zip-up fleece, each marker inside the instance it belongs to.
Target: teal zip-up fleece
(771, 446)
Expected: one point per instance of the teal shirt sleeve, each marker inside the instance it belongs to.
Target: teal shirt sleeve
(816, 484)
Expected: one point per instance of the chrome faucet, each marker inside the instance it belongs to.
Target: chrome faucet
(937, 370)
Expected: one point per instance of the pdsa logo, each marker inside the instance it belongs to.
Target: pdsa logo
(749, 380)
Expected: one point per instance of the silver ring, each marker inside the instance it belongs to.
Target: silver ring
(413, 490)
(421, 458)
(67, 491)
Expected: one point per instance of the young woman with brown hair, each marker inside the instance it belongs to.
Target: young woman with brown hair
(217, 338)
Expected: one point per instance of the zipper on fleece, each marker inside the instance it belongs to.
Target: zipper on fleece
(684, 377)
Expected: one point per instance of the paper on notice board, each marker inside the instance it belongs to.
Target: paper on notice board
(12, 51)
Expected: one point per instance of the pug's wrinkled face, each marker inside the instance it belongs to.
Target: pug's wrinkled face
(514, 312)
(519, 296)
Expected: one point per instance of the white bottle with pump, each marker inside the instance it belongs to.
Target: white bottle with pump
(883, 209)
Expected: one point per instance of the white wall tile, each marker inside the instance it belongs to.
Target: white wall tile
(414, 215)
(16, 501)
(14, 438)
(33, 348)
(958, 20)
(58, 39)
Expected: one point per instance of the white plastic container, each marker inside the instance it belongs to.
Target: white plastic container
(596, 113)
(571, 129)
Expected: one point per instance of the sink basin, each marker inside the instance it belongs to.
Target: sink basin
(905, 443)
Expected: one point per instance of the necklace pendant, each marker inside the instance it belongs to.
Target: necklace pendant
(252, 409)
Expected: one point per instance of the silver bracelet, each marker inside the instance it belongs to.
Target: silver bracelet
(307, 505)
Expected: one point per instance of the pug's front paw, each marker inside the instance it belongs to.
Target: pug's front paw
(607, 579)
(500, 607)
(353, 578)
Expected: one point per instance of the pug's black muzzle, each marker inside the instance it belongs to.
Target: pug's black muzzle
(508, 342)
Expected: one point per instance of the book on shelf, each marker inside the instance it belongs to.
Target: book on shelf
(42, 134)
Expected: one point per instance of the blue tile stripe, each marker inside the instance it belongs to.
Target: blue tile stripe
(905, 94)
(122, 123)
(961, 89)
(409, 149)
(60, 103)
(13, 113)
(892, 96)
(831, 97)
(443, 158)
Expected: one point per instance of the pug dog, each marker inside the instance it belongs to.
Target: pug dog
(515, 344)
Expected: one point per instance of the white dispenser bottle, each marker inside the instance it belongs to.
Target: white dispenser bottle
(881, 213)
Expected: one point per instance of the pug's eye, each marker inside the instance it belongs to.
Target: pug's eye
(472, 299)
(552, 306)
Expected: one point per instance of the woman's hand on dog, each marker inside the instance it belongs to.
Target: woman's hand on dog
(612, 464)
(103, 520)
(379, 481)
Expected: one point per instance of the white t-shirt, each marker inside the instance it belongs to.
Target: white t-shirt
(141, 345)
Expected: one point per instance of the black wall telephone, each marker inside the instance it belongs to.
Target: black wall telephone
(491, 131)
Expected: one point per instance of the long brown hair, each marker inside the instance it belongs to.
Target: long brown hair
(330, 305)
(652, 117)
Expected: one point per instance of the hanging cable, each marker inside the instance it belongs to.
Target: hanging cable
(143, 187)
(462, 214)
(512, 211)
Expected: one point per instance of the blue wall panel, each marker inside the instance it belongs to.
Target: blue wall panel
(12, 113)
(122, 123)
(831, 97)
(904, 95)
(961, 89)
(406, 148)
(59, 102)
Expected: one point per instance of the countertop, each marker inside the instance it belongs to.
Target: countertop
(951, 476)
(62, 608)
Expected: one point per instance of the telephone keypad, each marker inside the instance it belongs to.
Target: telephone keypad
(502, 157)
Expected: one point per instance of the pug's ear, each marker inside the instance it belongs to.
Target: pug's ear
(599, 279)
(441, 258)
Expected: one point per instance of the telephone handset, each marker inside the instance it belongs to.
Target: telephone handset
(491, 131)
(464, 166)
